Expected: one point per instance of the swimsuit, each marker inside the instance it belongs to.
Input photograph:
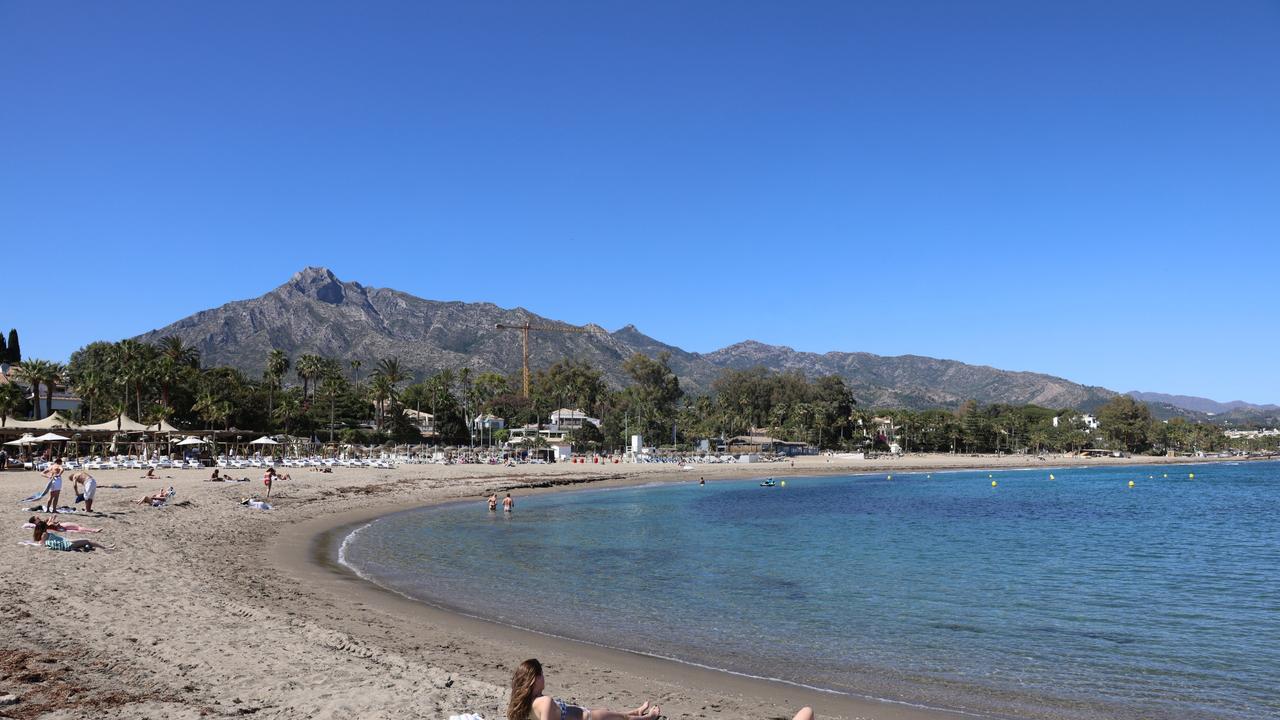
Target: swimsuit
(57, 483)
(54, 542)
(90, 488)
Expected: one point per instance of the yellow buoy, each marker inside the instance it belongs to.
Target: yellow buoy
(888, 477)
(1051, 476)
(1166, 474)
(784, 483)
(988, 474)
(1151, 477)
(993, 483)
(1130, 483)
(1192, 476)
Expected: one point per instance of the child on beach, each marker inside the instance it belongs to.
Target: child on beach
(270, 477)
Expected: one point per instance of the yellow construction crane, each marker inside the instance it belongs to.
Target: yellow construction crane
(524, 336)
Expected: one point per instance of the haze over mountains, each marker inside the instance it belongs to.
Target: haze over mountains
(315, 312)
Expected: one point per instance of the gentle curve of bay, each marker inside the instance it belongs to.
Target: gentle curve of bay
(1075, 598)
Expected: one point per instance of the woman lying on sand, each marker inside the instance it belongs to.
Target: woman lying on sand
(41, 534)
(158, 499)
(528, 702)
(61, 526)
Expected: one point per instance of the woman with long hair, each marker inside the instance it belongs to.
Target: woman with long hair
(42, 535)
(528, 702)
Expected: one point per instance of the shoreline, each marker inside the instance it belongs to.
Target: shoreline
(327, 534)
(210, 609)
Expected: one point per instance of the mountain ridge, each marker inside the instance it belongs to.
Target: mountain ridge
(316, 312)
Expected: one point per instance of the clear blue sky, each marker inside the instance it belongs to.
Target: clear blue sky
(1088, 189)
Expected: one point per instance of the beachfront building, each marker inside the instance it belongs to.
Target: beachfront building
(757, 442)
(532, 439)
(1249, 434)
(488, 422)
(566, 419)
(423, 421)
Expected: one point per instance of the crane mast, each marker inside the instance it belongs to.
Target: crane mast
(524, 339)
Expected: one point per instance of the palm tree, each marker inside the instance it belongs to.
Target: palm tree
(288, 409)
(391, 370)
(130, 364)
(42, 372)
(355, 368)
(380, 391)
(308, 368)
(277, 366)
(176, 358)
(10, 399)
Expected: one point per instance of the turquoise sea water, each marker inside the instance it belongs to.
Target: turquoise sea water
(1072, 598)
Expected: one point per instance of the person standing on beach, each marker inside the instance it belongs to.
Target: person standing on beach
(54, 473)
(493, 502)
(86, 487)
(270, 477)
(508, 504)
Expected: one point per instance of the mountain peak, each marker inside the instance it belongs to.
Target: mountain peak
(319, 283)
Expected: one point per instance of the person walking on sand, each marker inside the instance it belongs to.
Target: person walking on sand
(493, 502)
(508, 504)
(86, 487)
(270, 477)
(54, 473)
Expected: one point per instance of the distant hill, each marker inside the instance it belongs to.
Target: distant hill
(1203, 405)
(1236, 412)
(315, 312)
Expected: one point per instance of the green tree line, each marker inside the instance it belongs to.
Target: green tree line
(335, 399)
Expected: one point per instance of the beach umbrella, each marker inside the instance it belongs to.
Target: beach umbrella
(50, 437)
(264, 440)
(27, 439)
(192, 441)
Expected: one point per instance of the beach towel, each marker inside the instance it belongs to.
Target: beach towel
(31, 544)
(466, 716)
(40, 494)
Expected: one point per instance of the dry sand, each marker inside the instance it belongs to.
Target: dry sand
(211, 609)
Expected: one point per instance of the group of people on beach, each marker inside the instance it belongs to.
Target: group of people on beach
(44, 530)
(85, 485)
(528, 702)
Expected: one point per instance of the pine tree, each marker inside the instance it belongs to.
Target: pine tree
(4, 350)
(15, 350)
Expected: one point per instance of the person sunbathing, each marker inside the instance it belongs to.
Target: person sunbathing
(61, 526)
(528, 702)
(41, 534)
(159, 498)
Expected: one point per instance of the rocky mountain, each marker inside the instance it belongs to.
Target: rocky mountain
(315, 312)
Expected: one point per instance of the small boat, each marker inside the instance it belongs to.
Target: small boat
(768, 483)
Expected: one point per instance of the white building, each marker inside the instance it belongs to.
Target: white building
(567, 419)
(488, 422)
(425, 422)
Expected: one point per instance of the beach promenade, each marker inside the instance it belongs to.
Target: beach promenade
(207, 608)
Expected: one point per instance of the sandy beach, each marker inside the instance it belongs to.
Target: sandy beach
(211, 609)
